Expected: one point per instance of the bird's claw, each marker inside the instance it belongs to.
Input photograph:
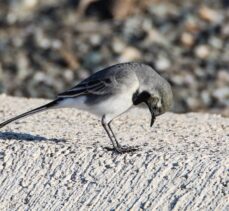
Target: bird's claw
(123, 149)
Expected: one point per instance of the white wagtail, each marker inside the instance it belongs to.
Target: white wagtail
(110, 92)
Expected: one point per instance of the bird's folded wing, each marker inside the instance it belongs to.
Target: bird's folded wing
(95, 87)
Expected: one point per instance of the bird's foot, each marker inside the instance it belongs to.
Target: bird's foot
(123, 149)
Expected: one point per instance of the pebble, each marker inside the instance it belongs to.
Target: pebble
(68, 75)
(130, 54)
(223, 76)
(95, 40)
(209, 14)
(216, 43)
(187, 39)
(222, 94)
(193, 103)
(30, 4)
(202, 51)
(225, 30)
(192, 25)
(206, 98)
(162, 63)
(118, 45)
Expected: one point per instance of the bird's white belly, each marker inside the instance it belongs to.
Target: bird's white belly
(113, 106)
(110, 107)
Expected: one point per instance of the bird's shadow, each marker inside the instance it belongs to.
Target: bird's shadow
(28, 137)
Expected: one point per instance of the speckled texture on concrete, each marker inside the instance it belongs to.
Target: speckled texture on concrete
(55, 161)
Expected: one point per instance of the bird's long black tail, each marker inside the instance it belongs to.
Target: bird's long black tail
(50, 105)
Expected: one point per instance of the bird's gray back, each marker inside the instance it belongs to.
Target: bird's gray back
(125, 73)
(118, 76)
(110, 80)
(118, 70)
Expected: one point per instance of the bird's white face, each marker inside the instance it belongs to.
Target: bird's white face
(158, 108)
(160, 100)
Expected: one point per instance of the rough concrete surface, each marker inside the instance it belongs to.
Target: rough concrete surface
(56, 161)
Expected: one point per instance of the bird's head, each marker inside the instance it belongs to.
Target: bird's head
(158, 100)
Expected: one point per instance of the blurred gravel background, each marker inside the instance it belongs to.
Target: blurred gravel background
(47, 46)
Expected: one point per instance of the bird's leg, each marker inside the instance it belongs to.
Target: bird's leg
(109, 135)
(113, 139)
(109, 126)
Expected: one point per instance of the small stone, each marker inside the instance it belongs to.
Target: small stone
(209, 14)
(41, 39)
(155, 36)
(56, 44)
(193, 103)
(199, 72)
(21, 10)
(223, 76)
(162, 63)
(118, 45)
(93, 58)
(178, 80)
(192, 25)
(206, 98)
(39, 77)
(189, 80)
(202, 51)
(216, 42)
(30, 4)
(95, 39)
(225, 31)
(130, 54)
(225, 113)
(187, 39)
(68, 75)
(222, 94)
(11, 18)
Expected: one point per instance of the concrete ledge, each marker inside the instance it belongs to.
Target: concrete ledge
(56, 161)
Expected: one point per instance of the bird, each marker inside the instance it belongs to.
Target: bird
(112, 91)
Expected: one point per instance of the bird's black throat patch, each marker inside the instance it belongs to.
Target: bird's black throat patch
(140, 97)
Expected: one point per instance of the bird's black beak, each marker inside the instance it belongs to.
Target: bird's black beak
(152, 120)
(153, 116)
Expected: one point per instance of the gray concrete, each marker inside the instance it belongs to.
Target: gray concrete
(55, 161)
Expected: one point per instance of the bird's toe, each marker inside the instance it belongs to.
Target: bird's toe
(123, 149)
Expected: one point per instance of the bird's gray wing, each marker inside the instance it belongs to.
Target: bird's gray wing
(107, 81)
(92, 86)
